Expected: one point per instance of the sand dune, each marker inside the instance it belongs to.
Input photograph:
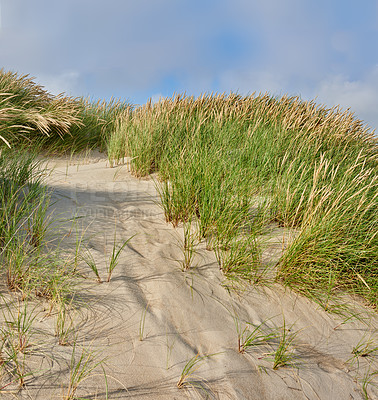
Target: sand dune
(152, 318)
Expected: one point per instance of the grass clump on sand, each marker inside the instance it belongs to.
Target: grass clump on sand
(314, 169)
(28, 264)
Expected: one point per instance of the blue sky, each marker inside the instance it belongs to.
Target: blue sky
(137, 49)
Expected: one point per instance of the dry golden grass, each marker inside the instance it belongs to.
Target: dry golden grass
(27, 110)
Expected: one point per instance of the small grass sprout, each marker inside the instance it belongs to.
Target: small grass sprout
(255, 337)
(21, 325)
(367, 380)
(91, 262)
(114, 258)
(188, 245)
(284, 353)
(64, 328)
(170, 345)
(81, 367)
(12, 358)
(251, 335)
(365, 348)
(190, 367)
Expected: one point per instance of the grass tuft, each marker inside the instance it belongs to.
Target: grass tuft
(314, 169)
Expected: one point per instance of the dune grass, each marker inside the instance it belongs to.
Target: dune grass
(315, 169)
(28, 112)
(229, 168)
(30, 115)
(33, 267)
(97, 123)
(30, 267)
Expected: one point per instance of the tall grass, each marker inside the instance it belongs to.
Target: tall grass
(314, 168)
(31, 262)
(30, 114)
(28, 264)
(311, 168)
(28, 111)
(97, 123)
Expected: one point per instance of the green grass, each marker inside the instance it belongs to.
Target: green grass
(252, 336)
(82, 365)
(32, 265)
(315, 167)
(189, 368)
(284, 354)
(29, 115)
(97, 123)
(228, 169)
(91, 262)
(188, 245)
(116, 253)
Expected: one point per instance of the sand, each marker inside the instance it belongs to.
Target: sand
(152, 317)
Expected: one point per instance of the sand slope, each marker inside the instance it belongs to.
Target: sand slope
(184, 313)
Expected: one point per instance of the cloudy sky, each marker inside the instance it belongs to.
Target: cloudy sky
(137, 49)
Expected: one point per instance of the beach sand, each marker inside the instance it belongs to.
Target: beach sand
(152, 317)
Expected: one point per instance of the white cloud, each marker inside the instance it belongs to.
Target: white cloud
(66, 82)
(246, 81)
(361, 95)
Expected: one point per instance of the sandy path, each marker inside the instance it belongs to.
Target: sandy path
(186, 313)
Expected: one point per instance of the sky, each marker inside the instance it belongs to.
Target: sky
(140, 49)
